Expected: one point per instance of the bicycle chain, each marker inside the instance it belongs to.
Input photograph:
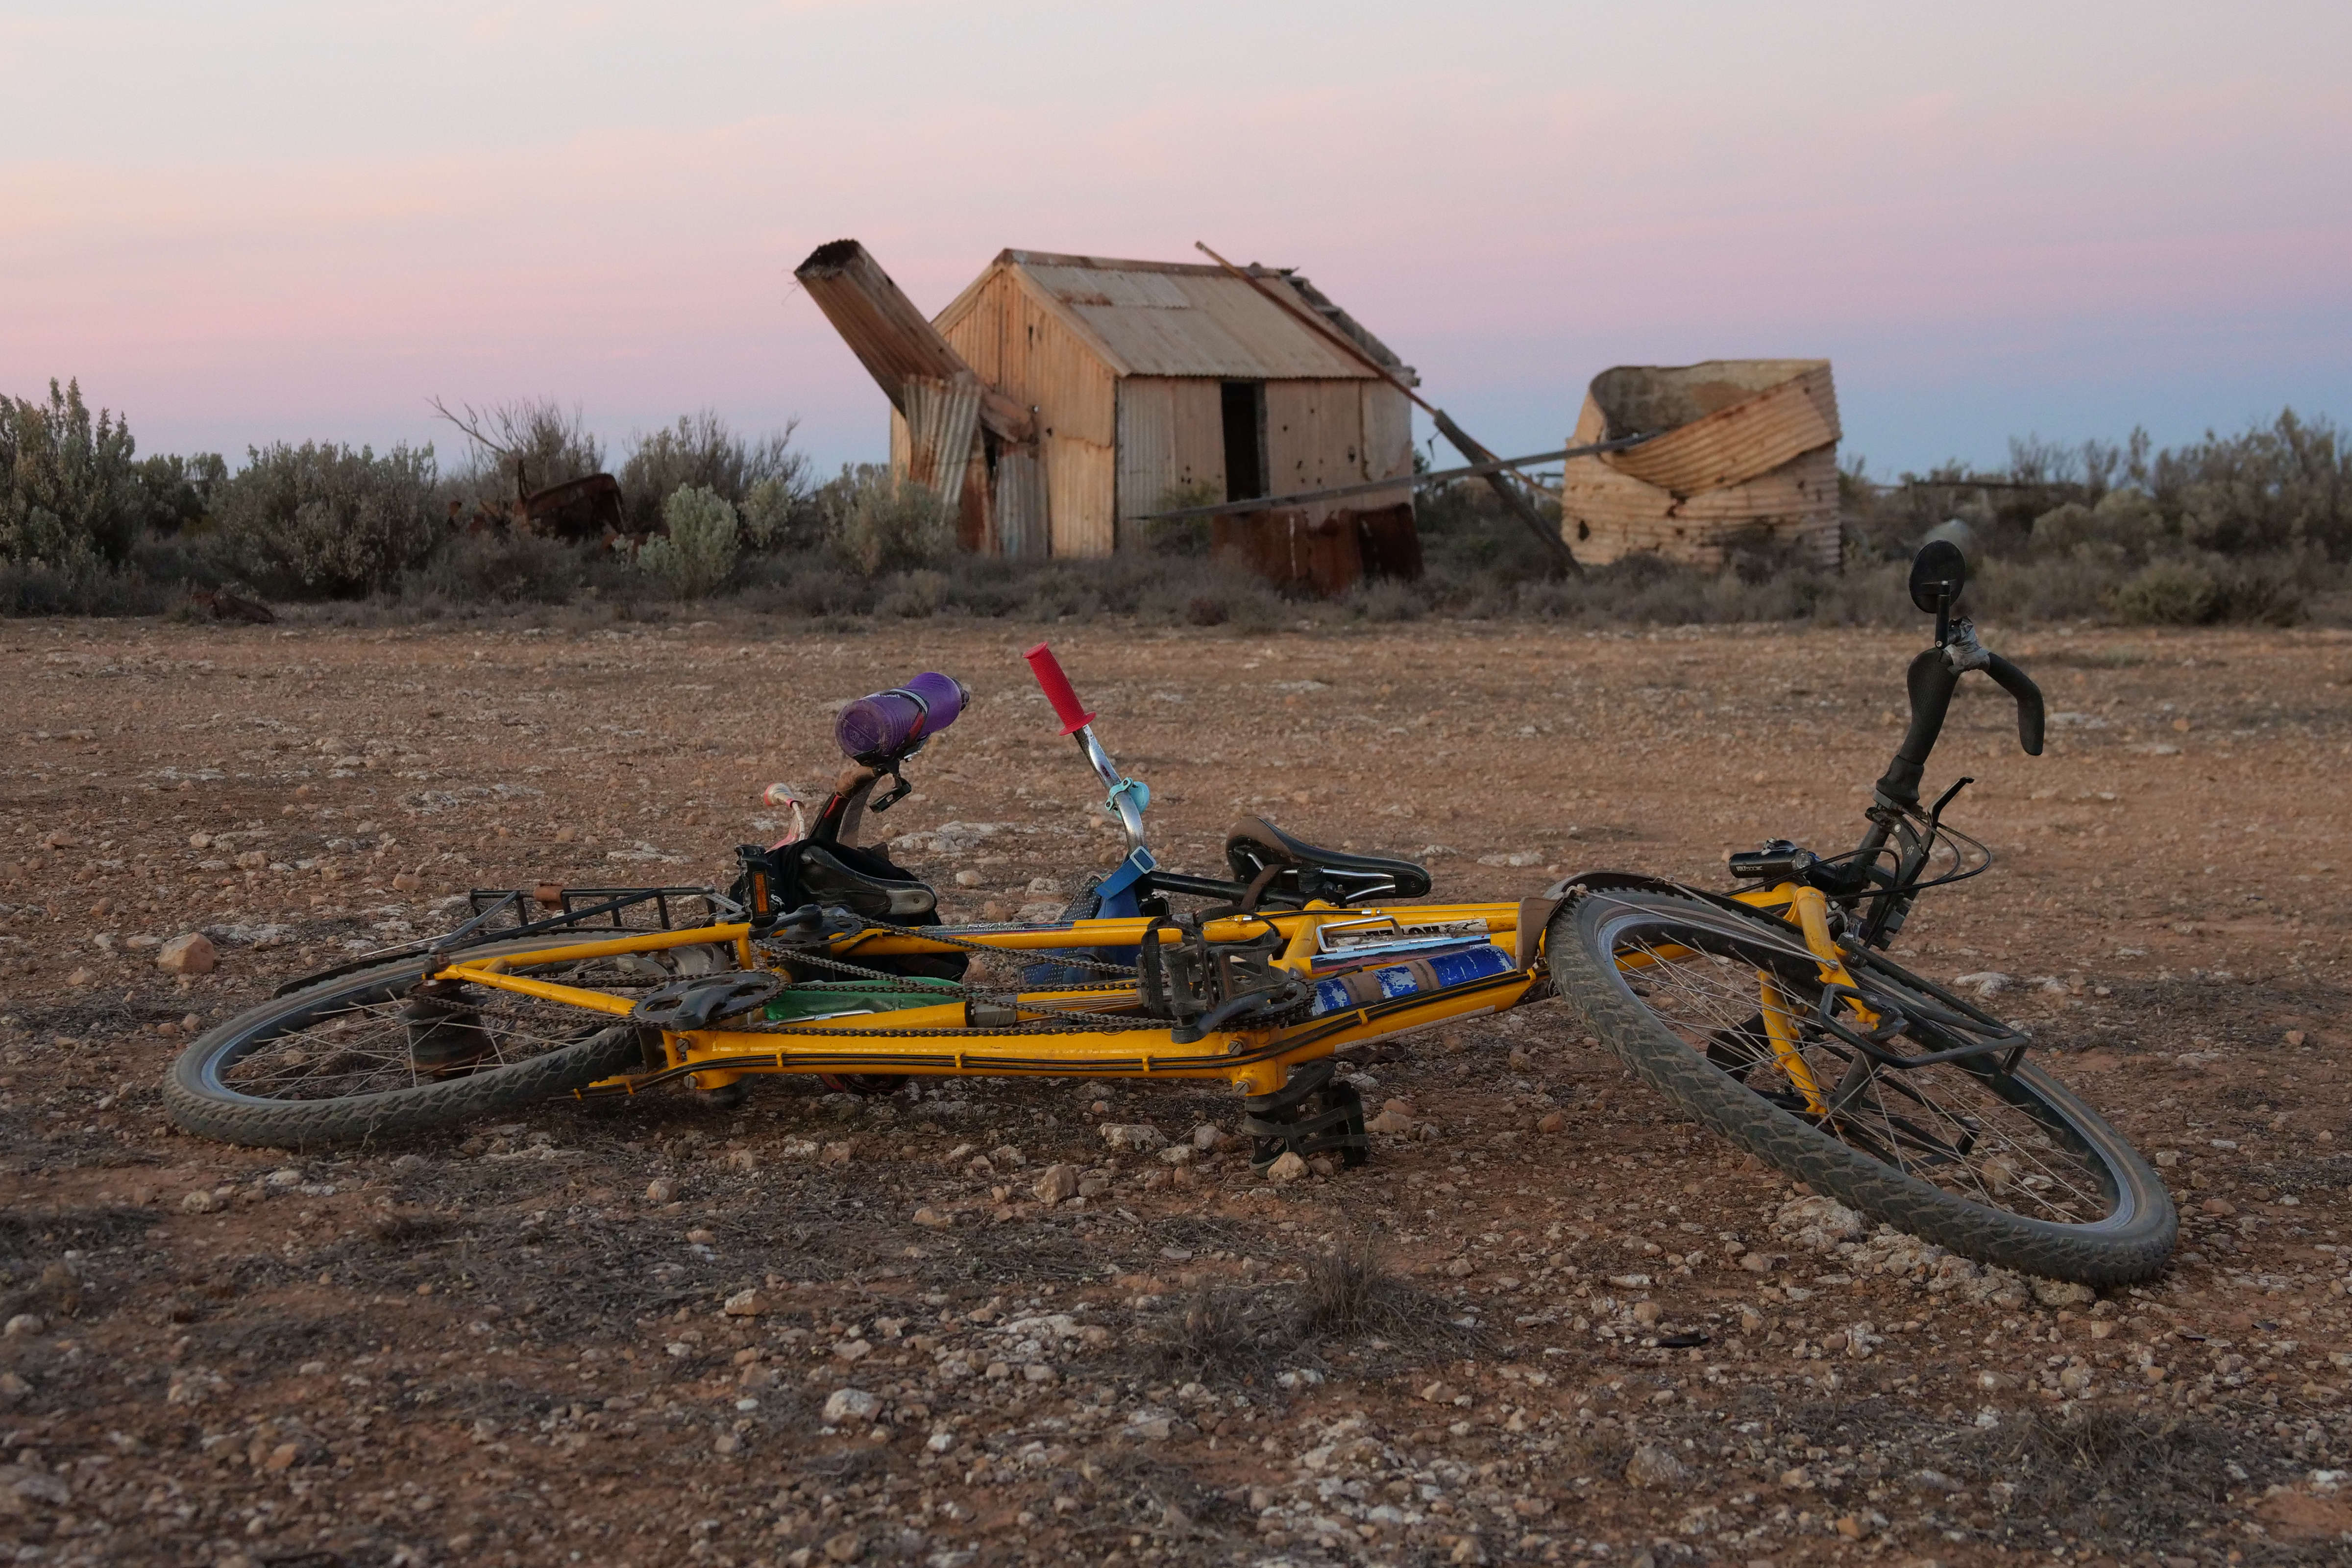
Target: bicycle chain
(1059, 1020)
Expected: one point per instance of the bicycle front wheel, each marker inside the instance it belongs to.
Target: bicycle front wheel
(1725, 1013)
(377, 1053)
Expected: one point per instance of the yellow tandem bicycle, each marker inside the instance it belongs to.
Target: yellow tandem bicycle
(1771, 1016)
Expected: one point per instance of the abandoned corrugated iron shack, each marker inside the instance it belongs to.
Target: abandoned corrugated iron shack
(1083, 394)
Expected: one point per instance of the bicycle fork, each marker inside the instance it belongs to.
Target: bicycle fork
(1811, 912)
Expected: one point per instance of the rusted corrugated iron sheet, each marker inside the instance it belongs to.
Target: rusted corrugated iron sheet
(1019, 524)
(1171, 444)
(1080, 495)
(1314, 437)
(1719, 428)
(942, 418)
(1388, 437)
(1176, 319)
(1320, 557)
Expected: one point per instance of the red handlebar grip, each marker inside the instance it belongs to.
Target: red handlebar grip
(1057, 687)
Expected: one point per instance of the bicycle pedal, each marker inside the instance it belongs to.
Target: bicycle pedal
(685, 1006)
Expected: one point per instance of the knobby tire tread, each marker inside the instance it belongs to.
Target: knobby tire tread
(1799, 1150)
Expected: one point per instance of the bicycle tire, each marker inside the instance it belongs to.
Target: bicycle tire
(199, 1100)
(2130, 1242)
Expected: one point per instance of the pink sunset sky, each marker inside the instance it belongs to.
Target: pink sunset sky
(246, 221)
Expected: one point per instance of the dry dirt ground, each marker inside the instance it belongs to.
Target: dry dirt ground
(505, 1345)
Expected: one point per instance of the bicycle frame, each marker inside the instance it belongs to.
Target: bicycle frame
(937, 1041)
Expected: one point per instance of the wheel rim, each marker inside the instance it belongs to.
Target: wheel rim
(1746, 1004)
(366, 1041)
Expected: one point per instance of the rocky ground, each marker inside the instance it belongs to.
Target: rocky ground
(1558, 1325)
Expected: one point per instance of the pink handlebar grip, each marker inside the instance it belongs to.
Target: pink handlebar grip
(1057, 687)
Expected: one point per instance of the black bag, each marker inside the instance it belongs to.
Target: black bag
(864, 882)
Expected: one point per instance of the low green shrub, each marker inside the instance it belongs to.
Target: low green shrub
(2166, 594)
(702, 452)
(879, 521)
(699, 551)
(69, 492)
(323, 521)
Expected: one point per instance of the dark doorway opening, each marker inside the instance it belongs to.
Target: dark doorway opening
(1245, 411)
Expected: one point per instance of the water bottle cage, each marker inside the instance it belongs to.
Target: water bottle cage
(899, 788)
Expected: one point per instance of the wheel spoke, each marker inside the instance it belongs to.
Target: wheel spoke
(365, 1047)
(1949, 1125)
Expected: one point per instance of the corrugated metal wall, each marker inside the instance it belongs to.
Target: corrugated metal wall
(1172, 439)
(1388, 441)
(1016, 342)
(1020, 519)
(942, 417)
(1110, 449)
(1314, 437)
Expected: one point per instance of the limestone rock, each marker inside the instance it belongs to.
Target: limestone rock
(844, 1405)
(1652, 1465)
(192, 953)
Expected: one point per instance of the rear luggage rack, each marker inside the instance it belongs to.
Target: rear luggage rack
(580, 909)
(582, 906)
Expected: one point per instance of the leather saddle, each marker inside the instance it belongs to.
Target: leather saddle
(1295, 871)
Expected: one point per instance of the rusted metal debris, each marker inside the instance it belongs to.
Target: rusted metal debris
(1417, 481)
(228, 605)
(575, 511)
(1306, 555)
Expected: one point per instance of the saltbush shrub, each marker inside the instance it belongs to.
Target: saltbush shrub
(878, 521)
(2167, 594)
(698, 551)
(504, 568)
(323, 521)
(70, 493)
(700, 451)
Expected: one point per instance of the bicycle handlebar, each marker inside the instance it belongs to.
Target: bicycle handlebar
(1932, 679)
(1056, 686)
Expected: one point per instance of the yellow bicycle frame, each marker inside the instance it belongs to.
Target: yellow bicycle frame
(934, 1040)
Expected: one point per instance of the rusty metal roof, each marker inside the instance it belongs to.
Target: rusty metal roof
(1177, 319)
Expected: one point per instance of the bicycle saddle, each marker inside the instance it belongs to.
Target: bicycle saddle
(844, 875)
(1303, 871)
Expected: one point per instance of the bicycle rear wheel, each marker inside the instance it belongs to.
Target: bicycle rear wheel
(1722, 1012)
(370, 1055)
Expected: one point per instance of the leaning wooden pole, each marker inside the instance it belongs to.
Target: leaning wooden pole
(1512, 497)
